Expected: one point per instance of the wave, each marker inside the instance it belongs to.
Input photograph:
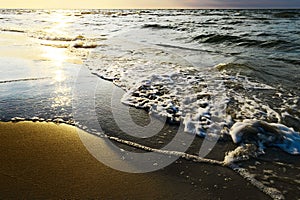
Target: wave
(85, 45)
(265, 34)
(264, 134)
(117, 13)
(280, 44)
(241, 41)
(218, 39)
(233, 66)
(234, 22)
(227, 28)
(286, 14)
(288, 60)
(181, 47)
(56, 120)
(24, 79)
(179, 93)
(78, 41)
(205, 101)
(47, 36)
(77, 44)
(157, 26)
(12, 30)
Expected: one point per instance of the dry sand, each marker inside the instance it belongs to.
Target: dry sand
(43, 160)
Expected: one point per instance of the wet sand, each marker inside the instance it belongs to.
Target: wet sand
(46, 160)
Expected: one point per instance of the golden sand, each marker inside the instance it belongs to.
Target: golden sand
(42, 160)
(45, 160)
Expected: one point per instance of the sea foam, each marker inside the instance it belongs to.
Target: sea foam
(265, 134)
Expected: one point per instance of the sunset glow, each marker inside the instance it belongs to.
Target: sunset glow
(96, 4)
(102, 4)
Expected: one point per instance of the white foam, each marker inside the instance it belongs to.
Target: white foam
(291, 142)
(272, 192)
(266, 134)
(242, 153)
(166, 85)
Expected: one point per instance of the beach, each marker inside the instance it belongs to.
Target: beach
(152, 104)
(49, 161)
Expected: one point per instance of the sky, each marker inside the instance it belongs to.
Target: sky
(98, 4)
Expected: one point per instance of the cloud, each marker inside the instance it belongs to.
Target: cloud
(243, 3)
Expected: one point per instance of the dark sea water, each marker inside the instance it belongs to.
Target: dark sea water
(231, 75)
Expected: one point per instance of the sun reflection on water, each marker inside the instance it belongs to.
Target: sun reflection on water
(56, 40)
(59, 76)
(55, 55)
(62, 97)
(60, 22)
(62, 92)
(57, 58)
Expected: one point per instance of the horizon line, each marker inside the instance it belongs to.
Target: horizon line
(162, 8)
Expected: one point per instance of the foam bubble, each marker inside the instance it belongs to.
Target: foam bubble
(166, 85)
(208, 101)
(265, 134)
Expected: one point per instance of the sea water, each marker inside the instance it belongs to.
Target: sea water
(232, 75)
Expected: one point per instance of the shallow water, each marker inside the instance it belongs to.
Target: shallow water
(230, 75)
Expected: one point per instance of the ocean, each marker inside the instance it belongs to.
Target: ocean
(229, 76)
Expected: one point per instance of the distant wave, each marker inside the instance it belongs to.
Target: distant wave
(58, 41)
(158, 26)
(24, 79)
(80, 44)
(12, 30)
(45, 36)
(240, 41)
(287, 14)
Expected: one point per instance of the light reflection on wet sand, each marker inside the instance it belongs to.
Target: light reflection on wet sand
(33, 72)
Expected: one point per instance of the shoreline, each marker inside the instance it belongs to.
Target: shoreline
(43, 60)
(46, 160)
